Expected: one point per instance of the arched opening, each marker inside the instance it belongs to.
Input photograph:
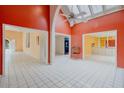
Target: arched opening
(52, 35)
(60, 36)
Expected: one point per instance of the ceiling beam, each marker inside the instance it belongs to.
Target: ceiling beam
(103, 7)
(91, 10)
(66, 9)
(79, 9)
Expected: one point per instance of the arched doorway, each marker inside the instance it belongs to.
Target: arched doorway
(52, 35)
(58, 36)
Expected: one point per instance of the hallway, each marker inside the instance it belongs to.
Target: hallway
(25, 71)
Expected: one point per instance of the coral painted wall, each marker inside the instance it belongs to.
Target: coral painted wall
(27, 16)
(62, 26)
(104, 23)
(32, 16)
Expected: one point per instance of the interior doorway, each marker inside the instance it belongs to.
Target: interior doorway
(31, 42)
(66, 45)
(100, 47)
(9, 45)
(62, 45)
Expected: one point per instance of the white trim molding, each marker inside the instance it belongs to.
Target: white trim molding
(22, 29)
(62, 34)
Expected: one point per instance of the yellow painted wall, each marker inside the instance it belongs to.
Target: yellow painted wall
(89, 40)
(34, 49)
(88, 45)
(103, 42)
(17, 36)
(95, 41)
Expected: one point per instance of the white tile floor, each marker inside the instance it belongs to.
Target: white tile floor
(101, 58)
(25, 71)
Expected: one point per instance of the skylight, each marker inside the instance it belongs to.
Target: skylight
(92, 11)
(85, 8)
(110, 6)
(97, 9)
(74, 9)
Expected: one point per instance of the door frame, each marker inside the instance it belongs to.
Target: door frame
(65, 35)
(83, 42)
(21, 29)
